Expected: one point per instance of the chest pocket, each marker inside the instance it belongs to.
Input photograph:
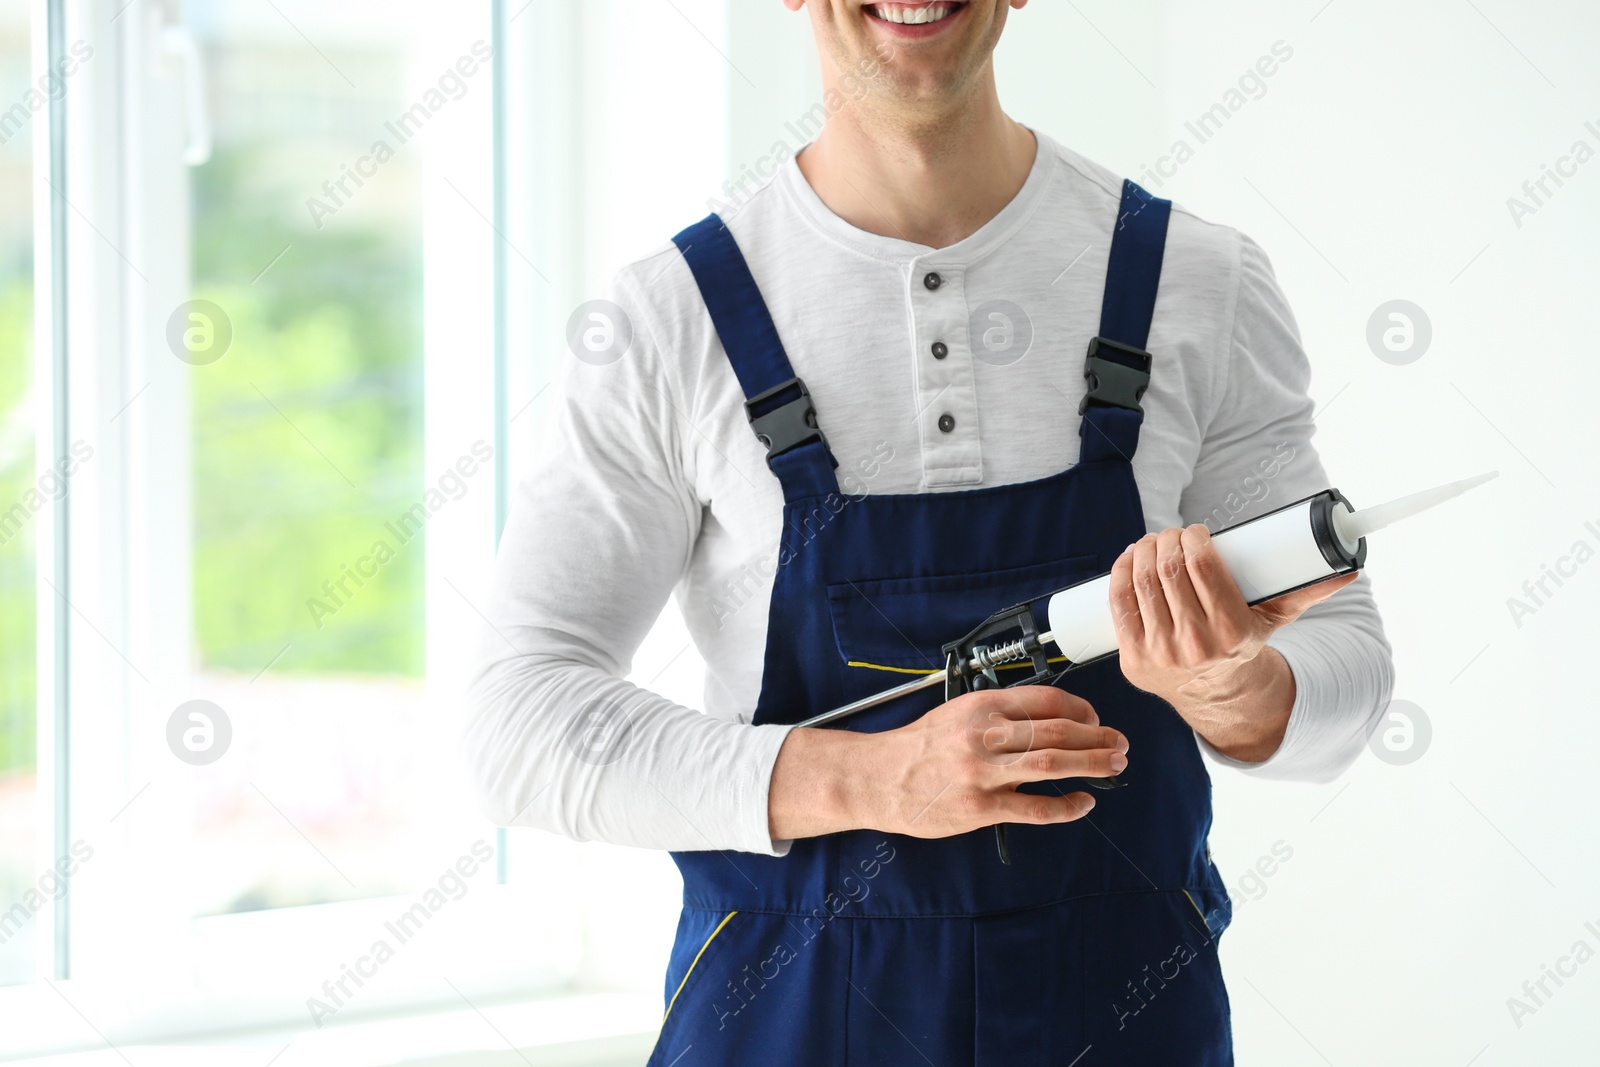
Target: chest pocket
(899, 625)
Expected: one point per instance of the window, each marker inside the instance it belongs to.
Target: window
(278, 253)
(281, 357)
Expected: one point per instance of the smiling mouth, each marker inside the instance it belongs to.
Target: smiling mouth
(913, 14)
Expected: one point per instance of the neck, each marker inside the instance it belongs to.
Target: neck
(929, 175)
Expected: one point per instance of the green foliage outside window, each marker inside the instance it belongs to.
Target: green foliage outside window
(307, 434)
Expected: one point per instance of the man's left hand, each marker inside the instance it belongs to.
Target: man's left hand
(1187, 635)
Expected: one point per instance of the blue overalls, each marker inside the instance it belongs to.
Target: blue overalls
(1097, 944)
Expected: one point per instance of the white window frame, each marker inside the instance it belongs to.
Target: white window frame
(125, 120)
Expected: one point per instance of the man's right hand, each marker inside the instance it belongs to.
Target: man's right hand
(953, 770)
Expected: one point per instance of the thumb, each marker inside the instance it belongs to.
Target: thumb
(1282, 610)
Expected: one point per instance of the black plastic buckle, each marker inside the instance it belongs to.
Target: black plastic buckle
(1113, 382)
(790, 424)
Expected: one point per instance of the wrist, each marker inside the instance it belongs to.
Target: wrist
(1245, 715)
(820, 784)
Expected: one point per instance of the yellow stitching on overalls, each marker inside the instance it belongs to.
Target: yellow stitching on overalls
(1198, 911)
(696, 960)
(940, 670)
(897, 670)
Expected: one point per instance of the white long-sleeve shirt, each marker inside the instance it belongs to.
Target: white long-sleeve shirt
(651, 483)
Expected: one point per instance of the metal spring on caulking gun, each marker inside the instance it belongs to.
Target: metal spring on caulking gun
(987, 659)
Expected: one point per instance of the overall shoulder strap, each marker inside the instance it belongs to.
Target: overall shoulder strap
(776, 401)
(1118, 367)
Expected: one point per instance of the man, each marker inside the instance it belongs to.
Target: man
(901, 317)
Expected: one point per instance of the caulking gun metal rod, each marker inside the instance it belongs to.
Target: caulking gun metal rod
(914, 686)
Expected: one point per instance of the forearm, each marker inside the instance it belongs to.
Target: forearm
(573, 750)
(1247, 720)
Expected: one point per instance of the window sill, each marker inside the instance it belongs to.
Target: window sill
(591, 1030)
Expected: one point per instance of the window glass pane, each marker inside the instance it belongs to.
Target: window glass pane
(307, 445)
(308, 436)
(20, 497)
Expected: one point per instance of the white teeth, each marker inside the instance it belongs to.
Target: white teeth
(913, 16)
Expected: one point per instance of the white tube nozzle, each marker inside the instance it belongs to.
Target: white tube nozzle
(1352, 526)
